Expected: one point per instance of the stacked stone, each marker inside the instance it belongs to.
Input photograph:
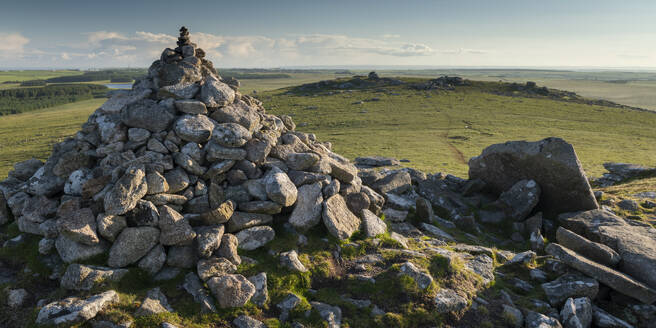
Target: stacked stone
(181, 170)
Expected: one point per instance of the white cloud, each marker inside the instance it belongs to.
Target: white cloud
(155, 37)
(95, 37)
(12, 44)
(462, 51)
(141, 48)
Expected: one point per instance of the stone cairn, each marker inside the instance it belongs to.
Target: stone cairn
(182, 170)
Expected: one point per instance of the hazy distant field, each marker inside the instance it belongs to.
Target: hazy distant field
(628, 88)
(10, 76)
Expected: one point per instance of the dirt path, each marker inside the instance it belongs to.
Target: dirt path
(457, 153)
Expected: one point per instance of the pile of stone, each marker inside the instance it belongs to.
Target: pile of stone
(441, 83)
(620, 172)
(181, 171)
(356, 82)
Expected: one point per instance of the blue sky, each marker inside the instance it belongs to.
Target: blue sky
(118, 33)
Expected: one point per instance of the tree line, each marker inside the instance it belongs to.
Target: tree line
(13, 101)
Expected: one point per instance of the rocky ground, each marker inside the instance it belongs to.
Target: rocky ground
(182, 203)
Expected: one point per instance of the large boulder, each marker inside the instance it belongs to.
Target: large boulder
(215, 93)
(307, 212)
(447, 300)
(372, 225)
(154, 260)
(166, 72)
(279, 188)
(238, 112)
(149, 114)
(25, 169)
(423, 279)
(396, 182)
(231, 290)
(570, 285)
(635, 243)
(179, 91)
(338, 219)
(539, 320)
(228, 248)
(214, 267)
(255, 237)
(175, 228)
(74, 310)
(191, 106)
(231, 135)
(208, 239)
(194, 128)
(129, 189)
(86, 277)
(551, 162)
(120, 100)
(79, 225)
(72, 251)
(618, 172)
(242, 220)
(131, 245)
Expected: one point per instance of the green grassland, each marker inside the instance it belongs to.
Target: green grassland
(441, 130)
(27, 135)
(435, 130)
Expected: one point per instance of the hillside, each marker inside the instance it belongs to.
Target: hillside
(405, 123)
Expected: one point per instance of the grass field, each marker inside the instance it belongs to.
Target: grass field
(23, 136)
(440, 131)
(435, 130)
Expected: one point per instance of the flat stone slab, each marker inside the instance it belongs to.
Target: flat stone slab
(613, 279)
(376, 161)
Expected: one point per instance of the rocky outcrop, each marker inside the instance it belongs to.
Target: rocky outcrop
(635, 244)
(551, 162)
(609, 277)
(620, 172)
(594, 251)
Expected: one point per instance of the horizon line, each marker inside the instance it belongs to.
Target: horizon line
(366, 67)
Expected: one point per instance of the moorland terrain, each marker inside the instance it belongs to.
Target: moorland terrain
(430, 129)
